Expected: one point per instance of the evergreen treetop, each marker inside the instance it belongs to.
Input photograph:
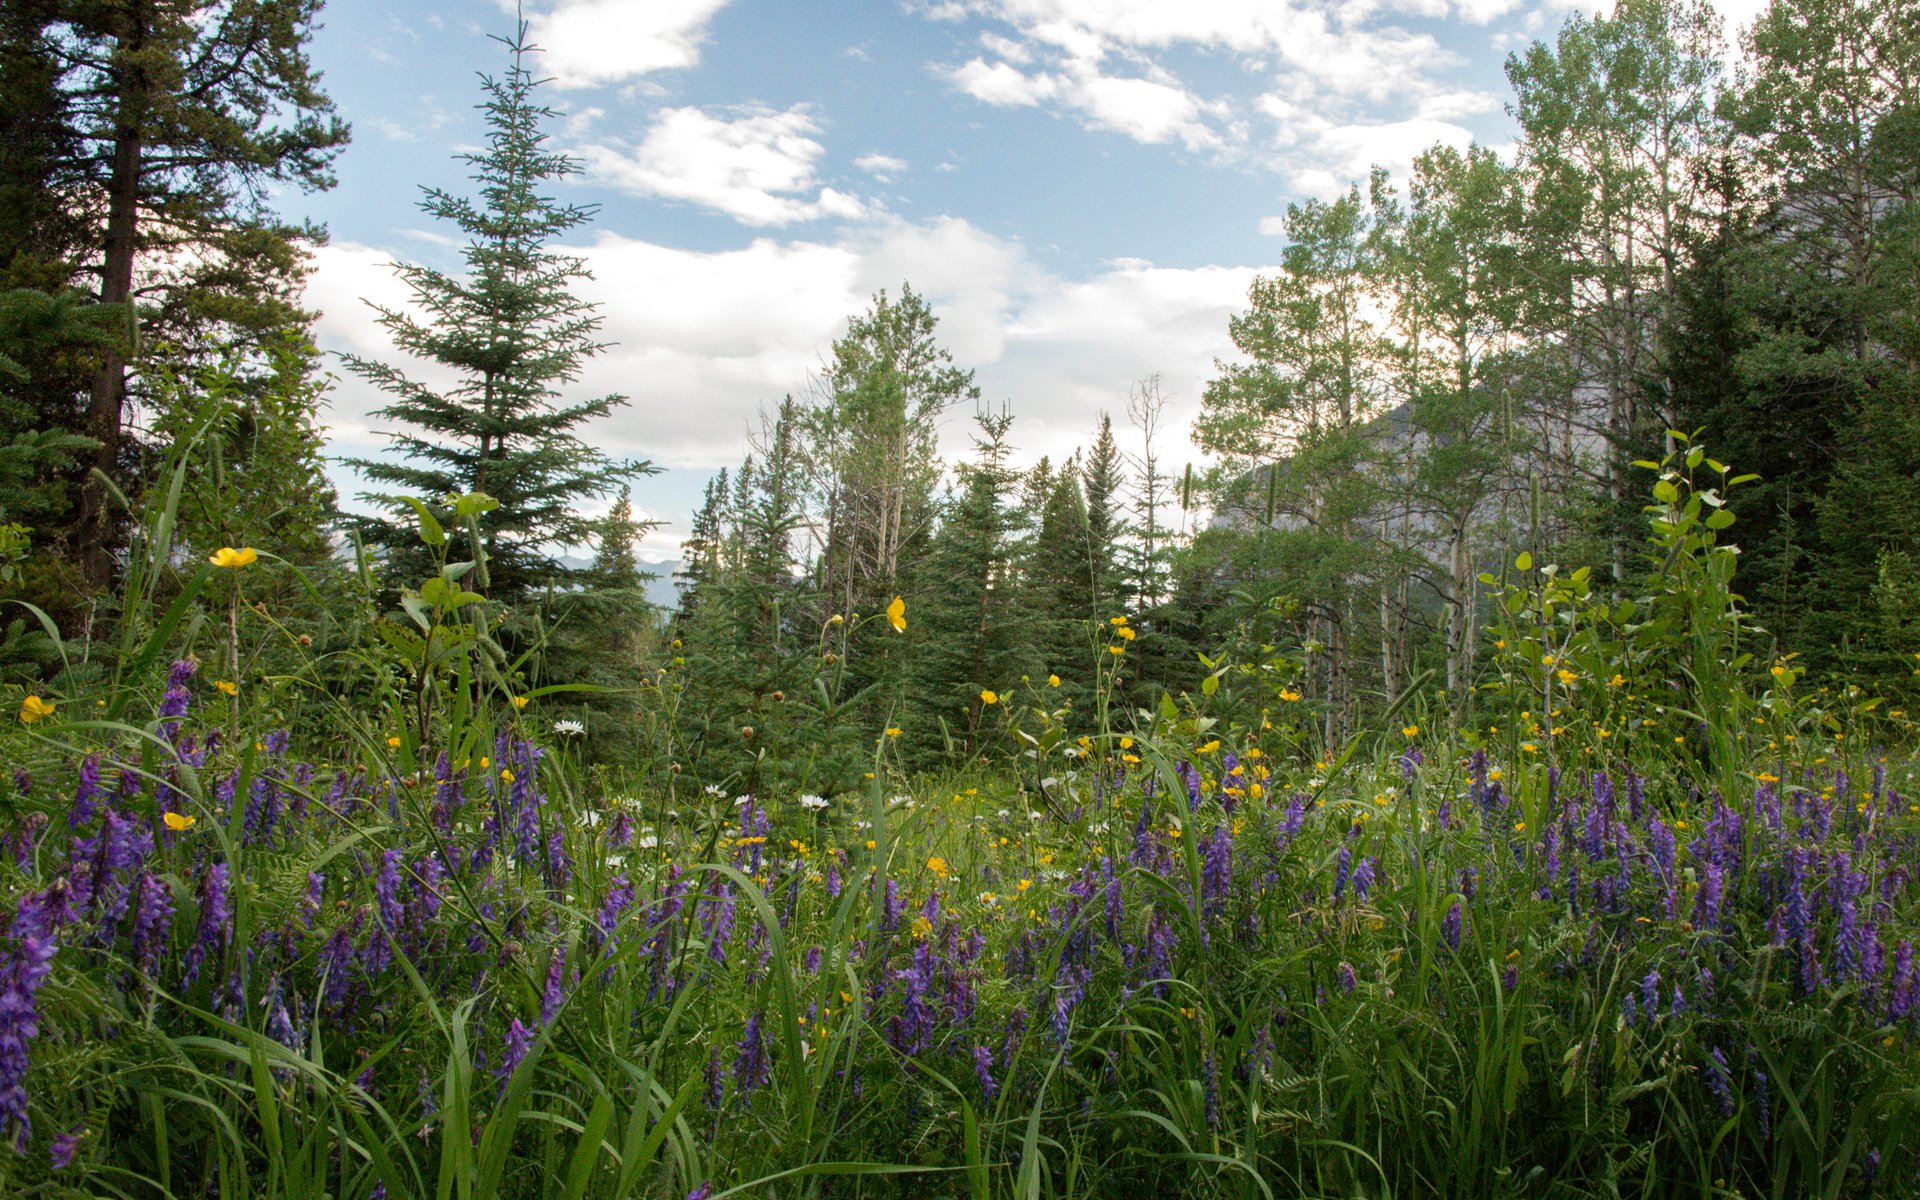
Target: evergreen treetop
(515, 333)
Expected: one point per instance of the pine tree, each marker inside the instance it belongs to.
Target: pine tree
(514, 333)
(1103, 477)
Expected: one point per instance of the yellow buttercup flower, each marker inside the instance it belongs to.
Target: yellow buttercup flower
(1565, 676)
(897, 615)
(33, 708)
(519, 701)
(989, 696)
(1289, 695)
(233, 560)
(393, 743)
(1053, 681)
(1410, 730)
(937, 865)
(1125, 632)
(178, 822)
(893, 731)
(226, 687)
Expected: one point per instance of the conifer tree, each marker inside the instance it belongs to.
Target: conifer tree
(515, 334)
(1103, 477)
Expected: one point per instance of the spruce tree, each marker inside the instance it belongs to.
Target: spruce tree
(515, 334)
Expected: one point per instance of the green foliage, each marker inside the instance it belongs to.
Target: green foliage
(514, 334)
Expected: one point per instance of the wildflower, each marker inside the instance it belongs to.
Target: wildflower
(1719, 1083)
(24, 971)
(938, 866)
(1289, 695)
(33, 708)
(1410, 730)
(226, 687)
(814, 802)
(227, 558)
(569, 728)
(989, 696)
(750, 1067)
(60, 1154)
(983, 1069)
(1053, 681)
(1453, 926)
(893, 731)
(897, 615)
(519, 701)
(519, 1041)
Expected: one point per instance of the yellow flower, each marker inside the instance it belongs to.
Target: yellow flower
(33, 708)
(231, 559)
(1410, 730)
(1565, 676)
(1617, 681)
(226, 687)
(897, 615)
(1125, 632)
(938, 866)
(1289, 695)
(1123, 621)
(1053, 681)
(1116, 649)
(506, 776)
(393, 743)
(893, 731)
(519, 701)
(870, 843)
(178, 822)
(1126, 743)
(989, 696)
(921, 926)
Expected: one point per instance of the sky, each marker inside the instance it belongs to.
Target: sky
(1082, 189)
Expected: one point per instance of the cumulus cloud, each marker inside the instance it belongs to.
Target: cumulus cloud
(704, 340)
(1111, 64)
(757, 166)
(588, 43)
(884, 167)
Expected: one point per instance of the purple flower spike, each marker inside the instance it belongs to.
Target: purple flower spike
(60, 1155)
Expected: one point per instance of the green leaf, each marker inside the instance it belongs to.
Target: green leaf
(430, 531)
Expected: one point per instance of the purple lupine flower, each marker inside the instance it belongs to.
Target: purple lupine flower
(703, 1192)
(555, 993)
(1342, 871)
(1216, 865)
(751, 1068)
(214, 933)
(1901, 996)
(337, 959)
(620, 831)
(1295, 818)
(983, 1070)
(1364, 875)
(1706, 908)
(1629, 1011)
(1410, 760)
(519, 1040)
(152, 921)
(833, 880)
(1210, 1088)
(1719, 1082)
(559, 862)
(1650, 993)
(86, 796)
(1679, 1001)
(719, 919)
(25, 835)
(20, 979)
(812, 961)
(1510, 978)
(386, 891)
(1453, 927)
(310, 903)
(60, 1154)
(890, 908)
(1348, 980)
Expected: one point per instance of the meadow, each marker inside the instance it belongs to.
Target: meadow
(1640, 923)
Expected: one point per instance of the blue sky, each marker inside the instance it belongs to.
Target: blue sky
(1082, 188)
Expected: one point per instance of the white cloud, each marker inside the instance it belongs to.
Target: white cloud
(757, 167)
(703, 340)
(884, 167)
(587, 43)
(1000, 84)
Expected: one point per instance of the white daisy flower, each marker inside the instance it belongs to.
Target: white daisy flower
(812, 801)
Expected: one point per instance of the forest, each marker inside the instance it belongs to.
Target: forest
(1472, 758)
